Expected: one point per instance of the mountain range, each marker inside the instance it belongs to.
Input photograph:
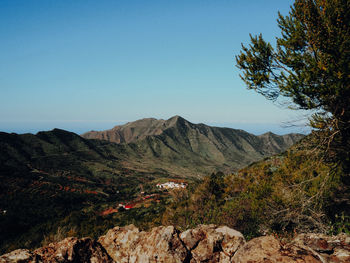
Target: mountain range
(57, 178)
(177, 144)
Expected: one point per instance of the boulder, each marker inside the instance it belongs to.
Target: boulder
(68, 250)
(73, 249)
(232, 240)
(161, 244)
(331, 248)
(205, 243)
(211, 243)
(269, 249)
(128, 244)
(120, 241)
(18, 256)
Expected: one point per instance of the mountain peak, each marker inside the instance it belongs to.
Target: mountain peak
(141, 122)
(175, 120)
(267, 134)
(177, 135)
(136, 130)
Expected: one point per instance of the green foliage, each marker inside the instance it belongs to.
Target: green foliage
(201, 207)
(216, 185)
(341, 224)
(309, 65)
(55, 184)
(286, 193)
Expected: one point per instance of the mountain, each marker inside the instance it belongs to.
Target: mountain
(132, 131)
(195, 148)
(58, 183)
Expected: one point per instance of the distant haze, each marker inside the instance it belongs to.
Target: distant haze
(80, 127)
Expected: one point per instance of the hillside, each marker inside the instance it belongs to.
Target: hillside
(296, 191)
(53, 180)
(132, 131)
(57, 182)
(177, 143)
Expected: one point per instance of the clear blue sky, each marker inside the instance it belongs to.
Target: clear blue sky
(82, 65)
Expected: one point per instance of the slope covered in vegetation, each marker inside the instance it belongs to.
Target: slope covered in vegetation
(294, 191)
(56, 183)
(181, 147)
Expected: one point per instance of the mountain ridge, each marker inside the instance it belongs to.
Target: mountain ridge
(176, 139)
(55, 177)
(151, 126)
(126, 133)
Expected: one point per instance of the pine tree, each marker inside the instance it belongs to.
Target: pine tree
(310, 66)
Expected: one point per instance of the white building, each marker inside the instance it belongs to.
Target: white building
(171, 185)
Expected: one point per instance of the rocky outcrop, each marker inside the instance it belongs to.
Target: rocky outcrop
(70, 249)
(205, 243)
(330, 248)
(269, 249)
(208, 243)
(128, 244)
(19, 255)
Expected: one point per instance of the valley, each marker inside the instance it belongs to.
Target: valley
(57, 183)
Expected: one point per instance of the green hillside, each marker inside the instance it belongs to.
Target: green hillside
(57, 183)
(183, 148)
(297, 191)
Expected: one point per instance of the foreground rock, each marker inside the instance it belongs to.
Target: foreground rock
(330, 248)
(128, 244)
(166, 244)
(19, 255)
(68, 250)
(206, 243)
(269, 249)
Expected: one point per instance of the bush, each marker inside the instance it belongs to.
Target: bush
(285, 193)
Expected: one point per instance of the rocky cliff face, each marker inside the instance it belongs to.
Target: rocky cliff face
(206, 243)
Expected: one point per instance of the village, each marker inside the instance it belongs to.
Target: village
(145, 199)
(171, 185)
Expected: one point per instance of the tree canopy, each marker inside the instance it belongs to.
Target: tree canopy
(309, 64)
